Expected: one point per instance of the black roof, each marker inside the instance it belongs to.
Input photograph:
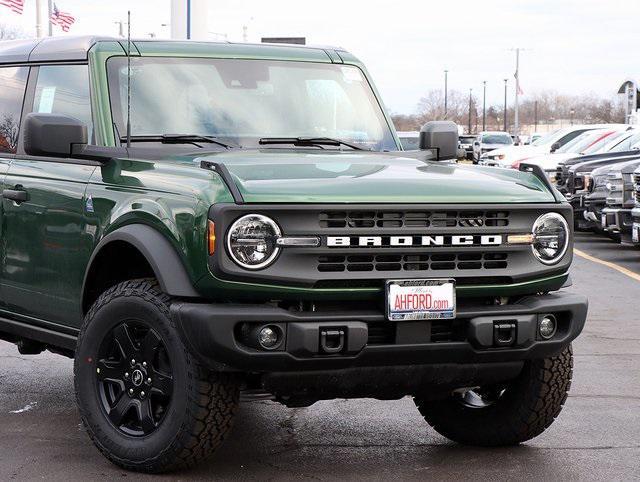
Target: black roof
(48, 49)
(64, 48)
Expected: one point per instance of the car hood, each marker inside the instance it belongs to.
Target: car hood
(550, 162)
(324, 176)
(493, 146)
(511, 154)
(602, 156)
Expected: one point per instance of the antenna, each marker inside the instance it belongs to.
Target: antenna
(128, 79)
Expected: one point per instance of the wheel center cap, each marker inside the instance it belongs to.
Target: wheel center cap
(137, 377)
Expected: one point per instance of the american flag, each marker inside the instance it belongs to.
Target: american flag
(517, 77)
(15, 5)
(63, 20)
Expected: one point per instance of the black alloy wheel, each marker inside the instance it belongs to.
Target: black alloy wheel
(134, 378)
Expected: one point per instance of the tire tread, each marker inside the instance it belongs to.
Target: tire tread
(209, 415)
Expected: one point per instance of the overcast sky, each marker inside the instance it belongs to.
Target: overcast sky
(572, 46)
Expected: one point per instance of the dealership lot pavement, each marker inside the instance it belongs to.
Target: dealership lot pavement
(597, 436)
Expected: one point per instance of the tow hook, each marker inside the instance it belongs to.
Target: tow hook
(504, 333)
(331, 340)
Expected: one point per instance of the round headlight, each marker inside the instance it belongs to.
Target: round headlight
(251, 241)
(550, 238)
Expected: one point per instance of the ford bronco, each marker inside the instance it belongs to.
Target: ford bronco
(190, 221)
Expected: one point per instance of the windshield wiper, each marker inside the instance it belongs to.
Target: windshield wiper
(179, 139)
(309, 141)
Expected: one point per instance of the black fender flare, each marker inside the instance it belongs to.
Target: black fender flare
(159, 253)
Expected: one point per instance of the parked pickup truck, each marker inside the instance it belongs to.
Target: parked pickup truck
(596, 198)
(575, 181)
(616, 216)
(197, 219)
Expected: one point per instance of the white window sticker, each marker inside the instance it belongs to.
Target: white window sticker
(46, 100)
(352, 74)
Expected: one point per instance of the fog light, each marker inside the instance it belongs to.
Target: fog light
(268, 337)
(547, 327)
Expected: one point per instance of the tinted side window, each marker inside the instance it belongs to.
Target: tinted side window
(570, 136)
(64, 89)
(13, 81)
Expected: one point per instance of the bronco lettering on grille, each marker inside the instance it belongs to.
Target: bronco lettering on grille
(414, 241)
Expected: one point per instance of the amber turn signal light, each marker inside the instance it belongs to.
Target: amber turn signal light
(211, 237)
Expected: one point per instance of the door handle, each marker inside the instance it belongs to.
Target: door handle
(15, 195)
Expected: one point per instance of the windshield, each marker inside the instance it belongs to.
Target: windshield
(246, 100)
(598, 144)
(580, 142)
(546, 139)
(625, 143)
(497, 139)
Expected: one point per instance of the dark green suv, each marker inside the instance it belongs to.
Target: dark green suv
(197, 219)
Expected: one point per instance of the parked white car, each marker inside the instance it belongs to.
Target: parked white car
(488, 141)
(589, 142)
(551, 142)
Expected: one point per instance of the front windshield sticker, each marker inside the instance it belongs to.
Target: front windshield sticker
(352, 74)
(46, 100)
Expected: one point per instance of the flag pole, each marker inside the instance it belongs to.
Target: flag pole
(516, 119)
(38, 18)
(50, 10)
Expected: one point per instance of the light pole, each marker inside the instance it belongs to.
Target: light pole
(572, 112)
(505, 104)
(535, 116)
(470, 90)
(446, 72)
(484, 105)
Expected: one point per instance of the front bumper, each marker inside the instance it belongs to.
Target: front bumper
(580, 208)
(594, 203)
(617, 220)
(635, 226)
(217, 334)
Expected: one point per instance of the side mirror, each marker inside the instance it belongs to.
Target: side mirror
(53, 135)
(442, 136)
(476, 143)
(555, 146)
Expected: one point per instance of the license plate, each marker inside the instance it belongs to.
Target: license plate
(603, 220)
(421, 299)
(635, 232)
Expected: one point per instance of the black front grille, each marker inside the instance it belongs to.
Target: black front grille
(381, 333)
(562, 174)
(442, 331)
(413, 262)
(364, 245)
(436, 331)
(636, 188)
(412, 219)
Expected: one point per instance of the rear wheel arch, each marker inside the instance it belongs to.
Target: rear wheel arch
(135, 251)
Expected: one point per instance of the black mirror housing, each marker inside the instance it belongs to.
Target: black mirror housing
(440, 135)
(555, 146)
(53, 135)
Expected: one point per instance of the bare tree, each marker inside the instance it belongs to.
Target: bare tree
(11, 32)
(8, 133)
(547, 107)
(431, 107)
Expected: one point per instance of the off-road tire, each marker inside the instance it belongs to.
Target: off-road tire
(527, 407)
(203, 403)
